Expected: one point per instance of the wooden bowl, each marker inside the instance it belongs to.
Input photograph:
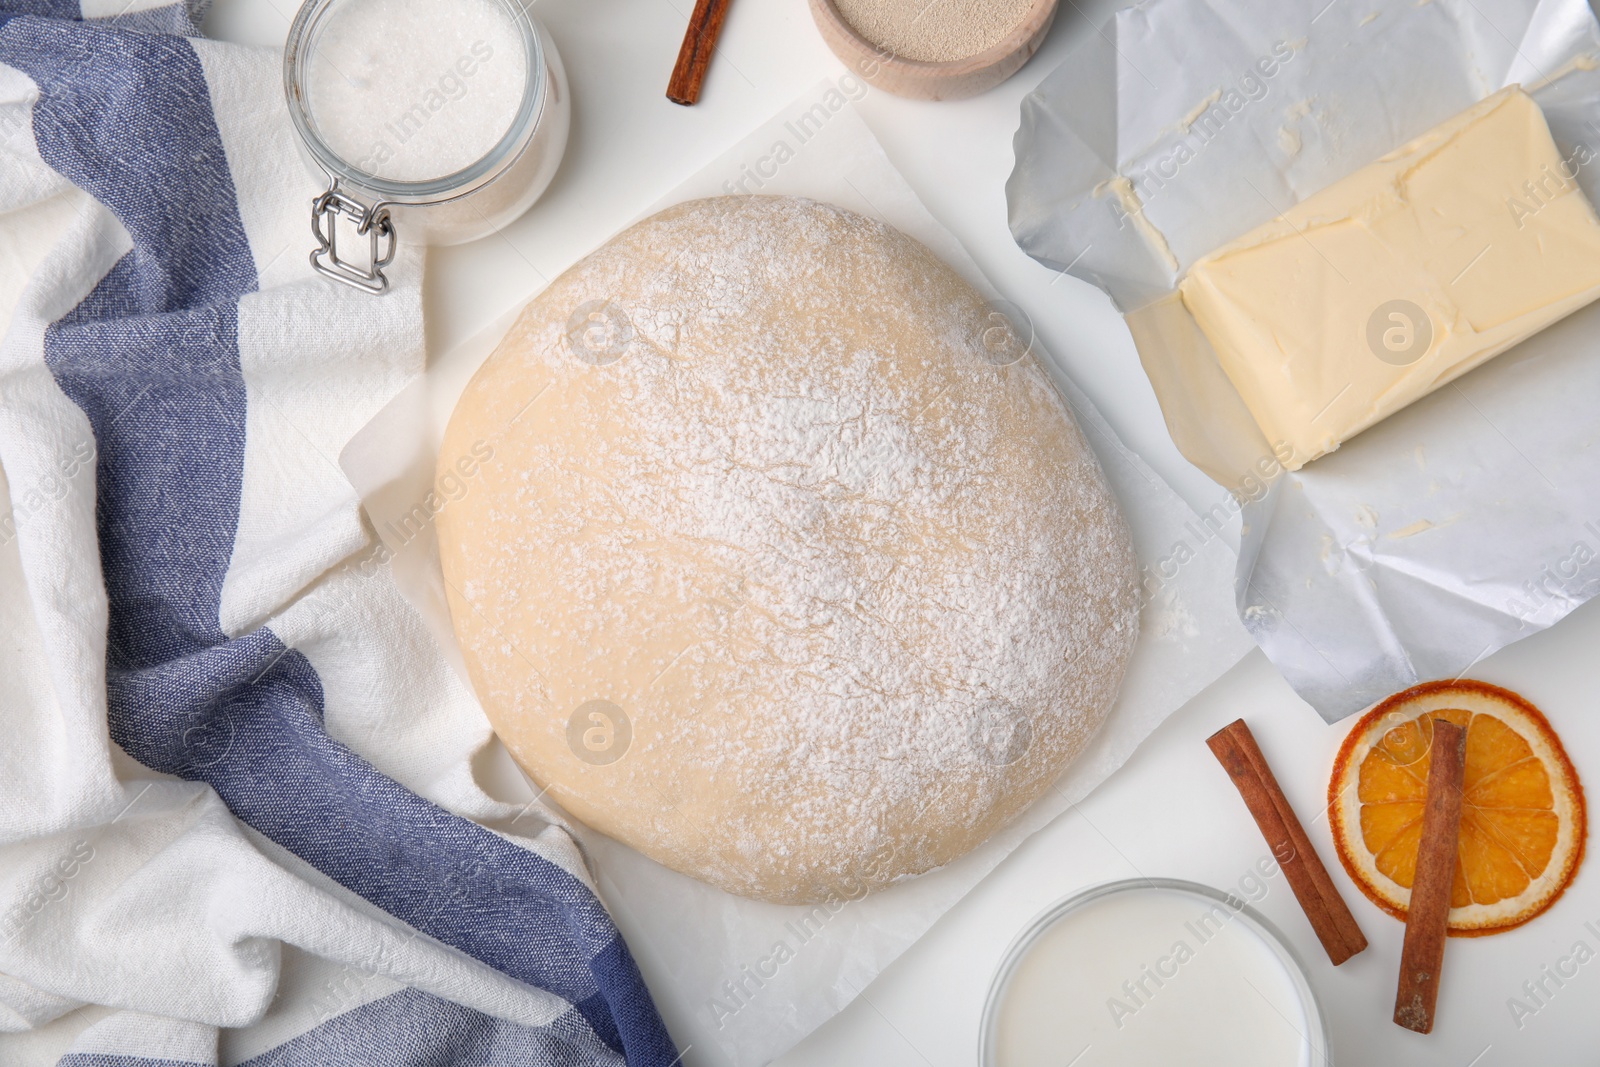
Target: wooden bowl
(951, 80)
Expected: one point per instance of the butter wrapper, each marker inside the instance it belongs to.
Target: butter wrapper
(1455, 526)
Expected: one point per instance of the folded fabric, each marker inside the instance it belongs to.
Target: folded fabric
(296, 865)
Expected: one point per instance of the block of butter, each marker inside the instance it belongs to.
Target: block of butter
(1400, 277)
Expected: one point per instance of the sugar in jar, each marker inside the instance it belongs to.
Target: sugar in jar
(435, 121)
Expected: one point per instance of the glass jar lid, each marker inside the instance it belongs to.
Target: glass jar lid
(416, 100)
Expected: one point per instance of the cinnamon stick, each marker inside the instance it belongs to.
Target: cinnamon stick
(1236, 749)
(694, 57)
(1428, 917)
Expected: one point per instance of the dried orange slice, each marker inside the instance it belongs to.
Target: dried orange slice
(1523, 821)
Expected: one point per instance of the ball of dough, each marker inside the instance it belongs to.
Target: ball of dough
(778, 556)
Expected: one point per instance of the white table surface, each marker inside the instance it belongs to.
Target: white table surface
(1170, 811)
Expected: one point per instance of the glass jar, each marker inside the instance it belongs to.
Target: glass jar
(438, 120)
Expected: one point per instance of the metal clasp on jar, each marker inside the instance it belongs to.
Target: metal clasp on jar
(373, 222)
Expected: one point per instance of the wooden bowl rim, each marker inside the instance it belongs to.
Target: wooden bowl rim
(1002, 50)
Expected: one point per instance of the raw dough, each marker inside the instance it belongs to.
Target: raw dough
(789, 567)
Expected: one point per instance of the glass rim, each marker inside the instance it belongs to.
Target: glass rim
(446, 187)
(1316, 1036)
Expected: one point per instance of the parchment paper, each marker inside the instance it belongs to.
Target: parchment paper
(710, 958)
(1459, 525)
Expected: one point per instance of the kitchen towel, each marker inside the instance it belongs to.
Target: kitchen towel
(238, 816)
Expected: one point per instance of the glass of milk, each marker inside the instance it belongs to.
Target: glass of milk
(1151, 972)
(443, 120)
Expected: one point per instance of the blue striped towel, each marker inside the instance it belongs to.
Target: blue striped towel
(296, 865)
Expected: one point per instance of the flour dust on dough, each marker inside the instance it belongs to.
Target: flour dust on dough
(790, 568)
